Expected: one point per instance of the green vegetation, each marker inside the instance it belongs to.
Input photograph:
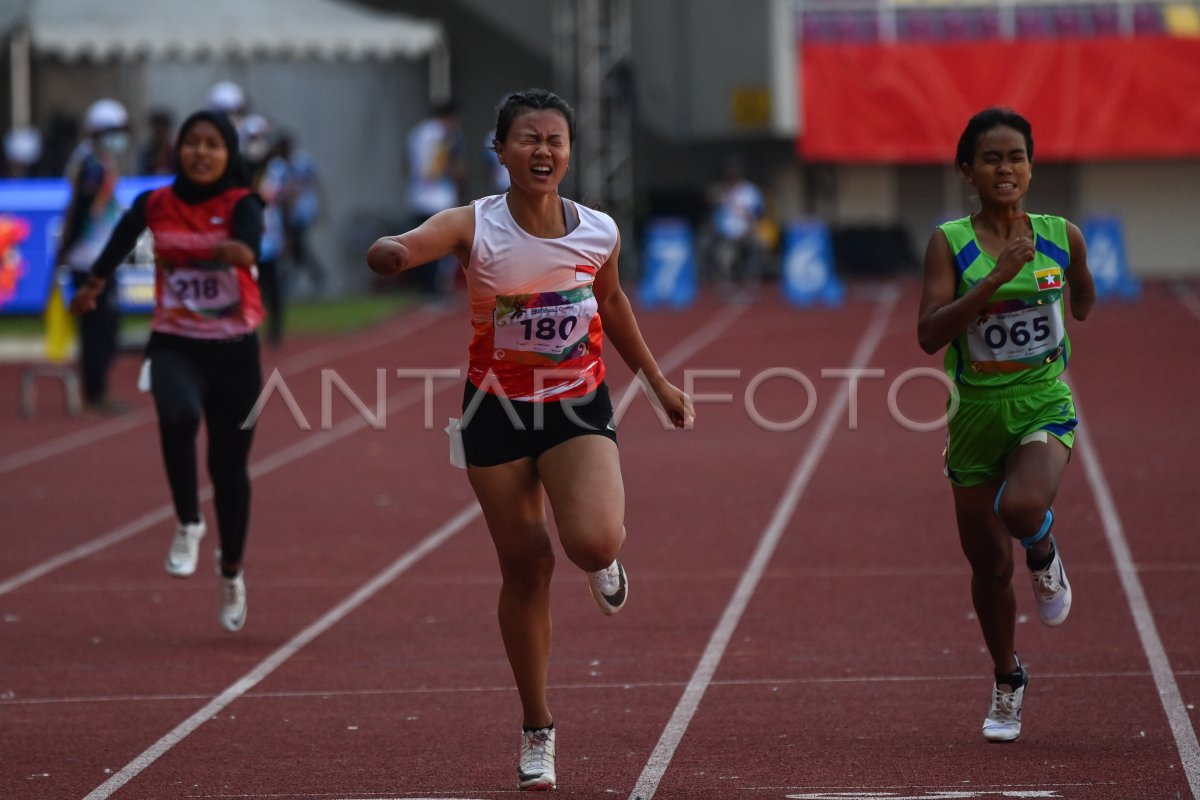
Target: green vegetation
(344, 314)
(308, 317)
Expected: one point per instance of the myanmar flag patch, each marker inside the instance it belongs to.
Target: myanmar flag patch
(1049, 278)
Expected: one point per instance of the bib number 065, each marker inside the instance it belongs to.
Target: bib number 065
(1020, 333)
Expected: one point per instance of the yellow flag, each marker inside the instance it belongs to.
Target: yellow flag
(60, 330)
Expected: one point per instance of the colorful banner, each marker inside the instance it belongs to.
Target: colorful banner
(1088, 98)
(31, 214)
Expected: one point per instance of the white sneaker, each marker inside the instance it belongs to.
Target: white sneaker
(1052, 592)
(1003, 722)
(535, 772)
(181, 558)
(232, 599)
(610, 588)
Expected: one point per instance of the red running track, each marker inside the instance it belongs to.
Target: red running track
(799, 625)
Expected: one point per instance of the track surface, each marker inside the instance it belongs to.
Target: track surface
(799, 624)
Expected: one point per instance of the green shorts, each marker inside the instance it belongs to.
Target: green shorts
(991, 423)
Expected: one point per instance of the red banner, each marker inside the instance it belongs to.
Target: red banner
(1087, 98)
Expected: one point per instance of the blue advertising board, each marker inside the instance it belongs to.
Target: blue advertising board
(1105, 240)
(669, 264)
(31, 213)
(808, 275)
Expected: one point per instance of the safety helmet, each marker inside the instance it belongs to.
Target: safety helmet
(227, 96)
(254, 125)
(23, 145)
(105, 115)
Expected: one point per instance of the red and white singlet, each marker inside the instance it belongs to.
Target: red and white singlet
(536, 329)
(195, 295)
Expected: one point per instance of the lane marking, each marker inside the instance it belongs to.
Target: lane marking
(1156, 654)
(664, 751)
(320, 439)
(289, 366)
(310, 443)
(272, 662)
(1187, 296)
(932, 794)
(565, 687)
(431, 542)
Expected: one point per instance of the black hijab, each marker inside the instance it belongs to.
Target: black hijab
(236, 174)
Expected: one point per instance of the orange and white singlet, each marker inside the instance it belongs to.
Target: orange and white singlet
(536, 329)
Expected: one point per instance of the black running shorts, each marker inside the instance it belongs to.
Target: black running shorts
(491, 437)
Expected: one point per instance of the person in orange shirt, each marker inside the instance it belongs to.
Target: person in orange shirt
(203, 355)
(541, 274)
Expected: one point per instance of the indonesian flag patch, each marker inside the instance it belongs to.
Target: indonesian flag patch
(584, 273)
(1049, 278)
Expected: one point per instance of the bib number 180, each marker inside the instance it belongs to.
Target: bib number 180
(549, 328)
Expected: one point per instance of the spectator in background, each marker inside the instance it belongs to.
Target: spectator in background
(436, 164)
(158, 155)
(89, 220)
(22, 151)
(228, 97)
(268, 178)
(734, 253)
(301, 206)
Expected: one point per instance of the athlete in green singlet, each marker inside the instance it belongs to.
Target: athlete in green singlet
(996, 290)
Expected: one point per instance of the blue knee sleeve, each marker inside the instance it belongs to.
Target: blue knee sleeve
(1029, 541)
(1000, 491)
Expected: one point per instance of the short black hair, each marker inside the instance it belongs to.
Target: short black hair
(983, 122)
(518, 103)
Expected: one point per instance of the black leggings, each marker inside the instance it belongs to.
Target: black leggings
(218, 381)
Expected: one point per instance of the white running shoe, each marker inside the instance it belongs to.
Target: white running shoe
(185, 545)
(232, 599)
(535, 772)
(1003, 723)
(610, 588)
(1052, 592)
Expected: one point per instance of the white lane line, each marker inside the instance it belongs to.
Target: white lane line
(310, 443)
(1187, 296)
(570, 687)
(72, 441)
(408, 325)
(1135, 595)
(693, 344)
(272, 662)
(664, 751)
(434, 540)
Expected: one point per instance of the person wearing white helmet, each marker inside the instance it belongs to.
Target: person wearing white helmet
(88, 221)
(228, 97)
(22, 151)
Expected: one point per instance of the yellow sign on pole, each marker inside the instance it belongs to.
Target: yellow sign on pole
(60, 330)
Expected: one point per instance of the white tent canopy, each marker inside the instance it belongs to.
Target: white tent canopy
(224, 29)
